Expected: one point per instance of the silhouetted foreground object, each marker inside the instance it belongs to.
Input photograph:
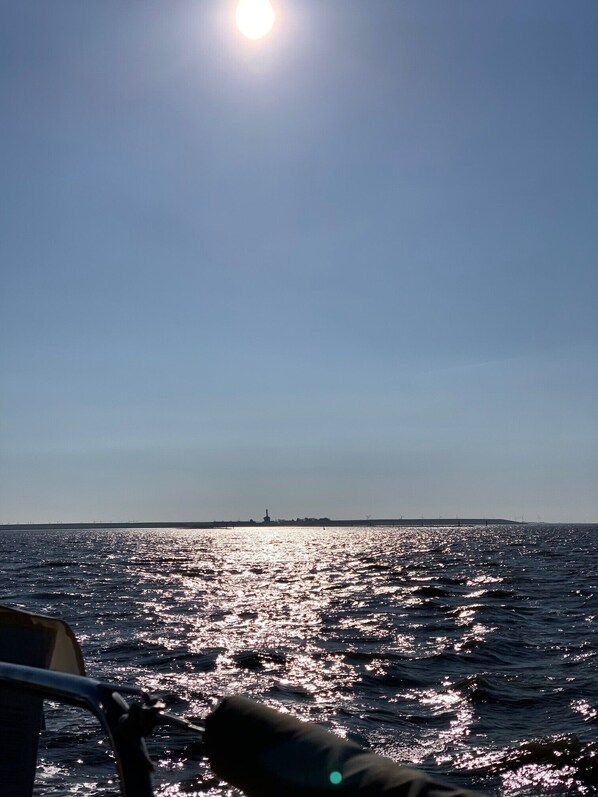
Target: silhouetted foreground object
(267, 754)
(35, 641)
(264, 753)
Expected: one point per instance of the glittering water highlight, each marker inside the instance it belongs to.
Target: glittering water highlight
(468, 652)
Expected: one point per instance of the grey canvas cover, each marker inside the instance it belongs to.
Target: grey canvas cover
(269, 754)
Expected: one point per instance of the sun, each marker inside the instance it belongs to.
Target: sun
(255, 18)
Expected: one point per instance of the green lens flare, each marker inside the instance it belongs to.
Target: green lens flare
(335, 777)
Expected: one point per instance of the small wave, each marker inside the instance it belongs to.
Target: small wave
(555, 765)
(485, 688)
(131, 646)
(561, 751)
(258, 660)
(195, 572)
(389, 680)
(432, 591)
(498, 593)
(358, 656)
(290, 691)
(381, 567)
(198, 662)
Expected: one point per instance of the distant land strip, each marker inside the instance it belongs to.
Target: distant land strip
(219, 524)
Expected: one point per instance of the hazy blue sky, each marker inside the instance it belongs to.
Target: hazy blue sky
(348, 270)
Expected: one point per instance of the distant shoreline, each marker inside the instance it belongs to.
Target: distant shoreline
(305, 522)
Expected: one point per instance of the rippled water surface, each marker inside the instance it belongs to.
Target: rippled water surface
(469, 652)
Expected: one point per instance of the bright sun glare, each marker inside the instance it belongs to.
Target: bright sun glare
(255, 18)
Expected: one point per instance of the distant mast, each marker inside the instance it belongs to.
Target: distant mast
(266, 517)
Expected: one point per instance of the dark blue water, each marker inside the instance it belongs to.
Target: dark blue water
(472, 653)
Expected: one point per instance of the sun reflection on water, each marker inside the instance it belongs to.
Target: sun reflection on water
(433, 646)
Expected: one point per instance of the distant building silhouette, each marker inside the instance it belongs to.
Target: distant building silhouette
(266, 517)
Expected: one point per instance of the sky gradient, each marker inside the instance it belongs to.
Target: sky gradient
(346, 270)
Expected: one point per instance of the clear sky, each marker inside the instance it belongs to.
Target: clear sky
(350, 269)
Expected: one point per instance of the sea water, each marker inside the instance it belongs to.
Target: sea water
(468, 652)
